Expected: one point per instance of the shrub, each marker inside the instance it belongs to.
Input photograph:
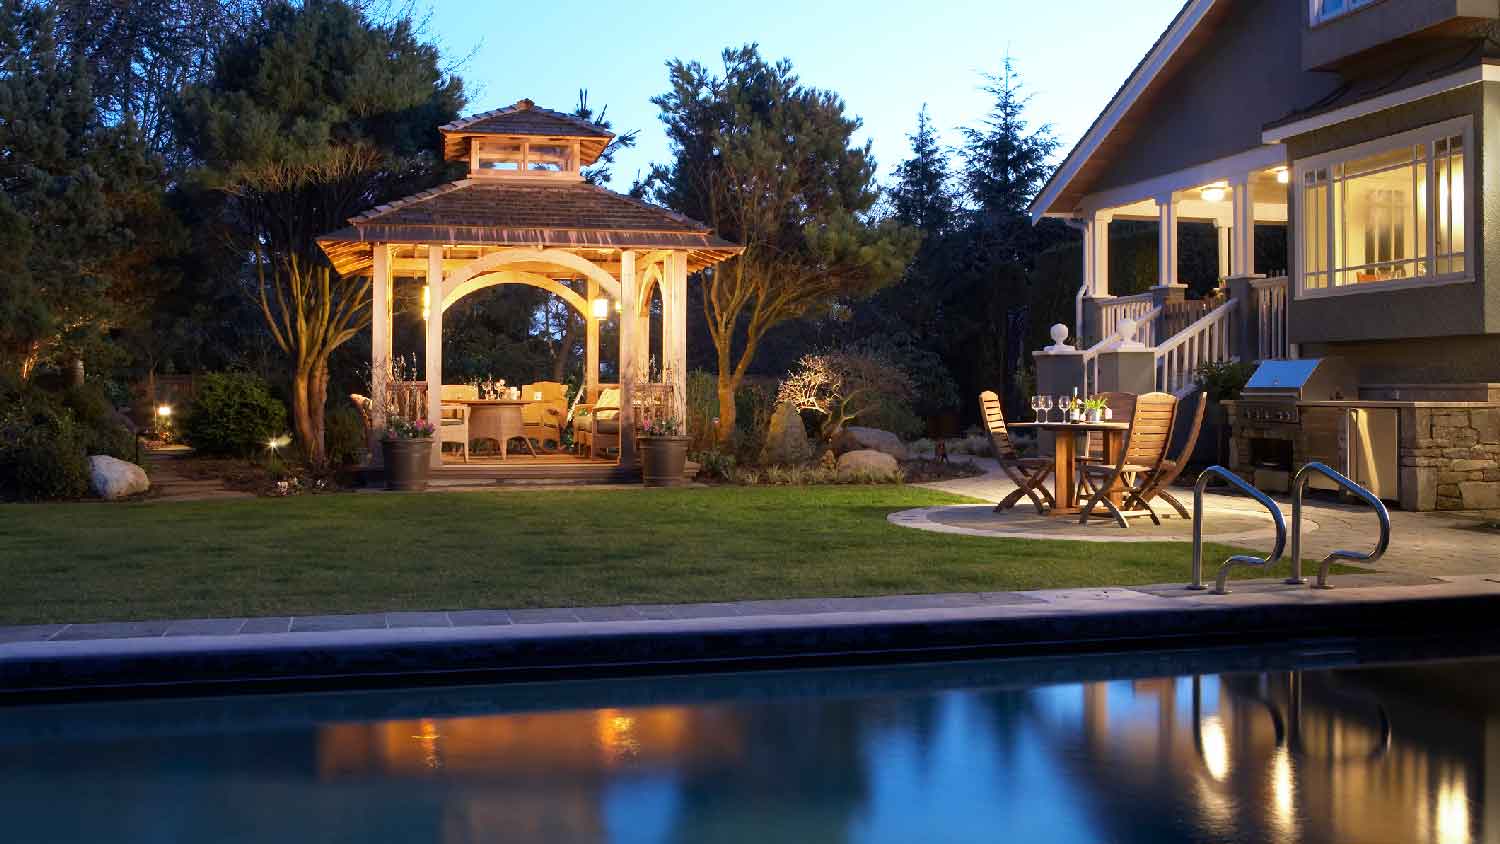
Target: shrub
(233, 414)
(714, 464)
(43, 453)
(99, 425)
(344, 436)
(1224, 381)
(702, 409)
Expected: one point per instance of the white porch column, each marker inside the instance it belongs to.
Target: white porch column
(591, 346)
(1166, 207)
(630, 307)
(1242, 248)
(1224, 238)
(434, 345)
(380, 345)
(1099, 255)
(674, 330)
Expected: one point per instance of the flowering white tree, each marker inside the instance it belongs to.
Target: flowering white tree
(842, 386)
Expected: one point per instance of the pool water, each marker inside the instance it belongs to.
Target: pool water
(1301, 744)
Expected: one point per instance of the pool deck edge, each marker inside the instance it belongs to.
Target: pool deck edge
(582, 642)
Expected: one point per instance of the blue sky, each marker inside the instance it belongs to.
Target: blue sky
(886, 58)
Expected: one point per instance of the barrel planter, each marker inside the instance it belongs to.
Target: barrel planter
(663, 460)
(407, 463)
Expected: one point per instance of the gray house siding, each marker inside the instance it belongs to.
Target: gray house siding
(1379, 24)
(1219, 103)
(1449, 310)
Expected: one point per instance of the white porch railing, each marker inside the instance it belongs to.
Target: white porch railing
(1132, 307)
(1209, 340)
(1145, 333)
(1269, 303)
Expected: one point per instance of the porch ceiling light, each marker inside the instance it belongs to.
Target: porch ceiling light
(1214, 193)
(1283, 175)
(601, 308)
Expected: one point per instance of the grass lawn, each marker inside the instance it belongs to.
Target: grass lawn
(515, 548)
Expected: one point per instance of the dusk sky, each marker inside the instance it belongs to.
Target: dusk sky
(886, 58)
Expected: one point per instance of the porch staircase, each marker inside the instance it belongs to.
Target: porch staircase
(1188, 334)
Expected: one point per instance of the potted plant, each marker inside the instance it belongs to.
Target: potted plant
(407, 446)
(663, 449)
(1095, 408)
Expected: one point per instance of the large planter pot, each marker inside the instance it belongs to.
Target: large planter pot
(662, 460)
(407, 463)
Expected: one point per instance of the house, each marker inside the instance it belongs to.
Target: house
(1367, 130)
(525, 215)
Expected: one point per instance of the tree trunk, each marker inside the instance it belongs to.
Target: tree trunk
(317, 400)
(565, 348)
(728, 383)
(302, 414)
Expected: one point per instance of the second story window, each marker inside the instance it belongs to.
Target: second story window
(1326, 10)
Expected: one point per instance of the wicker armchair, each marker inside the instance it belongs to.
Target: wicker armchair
(596, 425)
(543, 418)
(454, 426)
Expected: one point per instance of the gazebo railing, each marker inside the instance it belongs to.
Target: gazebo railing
(406, 399)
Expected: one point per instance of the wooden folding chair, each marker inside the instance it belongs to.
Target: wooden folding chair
(1028, 473)
(1157, 485)
(1140, 460)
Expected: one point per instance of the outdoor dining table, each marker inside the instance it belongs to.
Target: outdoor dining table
(499, 420)
(1065, 459)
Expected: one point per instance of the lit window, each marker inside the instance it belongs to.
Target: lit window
(1395, 212)
(1325, 10)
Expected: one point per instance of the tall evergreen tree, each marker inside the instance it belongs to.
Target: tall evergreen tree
(319, 113)
(71, 189)
(770, 163)
(922, 196)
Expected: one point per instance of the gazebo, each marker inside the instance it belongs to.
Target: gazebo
(525, 215)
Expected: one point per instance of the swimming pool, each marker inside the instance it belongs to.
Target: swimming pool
(1308, 743)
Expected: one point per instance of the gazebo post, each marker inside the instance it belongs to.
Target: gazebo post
(434, 345)
(591, 346)
(630, 306)
(674, 330)
(380, 346)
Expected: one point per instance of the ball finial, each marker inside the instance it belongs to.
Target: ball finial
(1059, 334)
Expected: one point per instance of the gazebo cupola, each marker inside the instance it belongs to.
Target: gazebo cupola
(524, 141)
(525, 215)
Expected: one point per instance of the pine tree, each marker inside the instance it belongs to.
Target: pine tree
(922, 196)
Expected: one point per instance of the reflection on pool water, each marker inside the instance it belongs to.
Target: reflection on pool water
(959, 752)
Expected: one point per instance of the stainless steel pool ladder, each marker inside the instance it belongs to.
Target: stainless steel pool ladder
(1238, 559)
(1299, 487)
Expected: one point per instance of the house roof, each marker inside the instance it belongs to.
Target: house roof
(504, 212)
(524, 118)
(1188, 34)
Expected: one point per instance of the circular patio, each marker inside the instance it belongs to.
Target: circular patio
(1221, 524)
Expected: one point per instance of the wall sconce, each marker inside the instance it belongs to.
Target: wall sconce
(165, 411)
(601, 308)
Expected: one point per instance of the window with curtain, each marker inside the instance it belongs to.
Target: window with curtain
(1385, 212)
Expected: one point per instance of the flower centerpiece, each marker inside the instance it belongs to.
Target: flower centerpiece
(407, 448)
(663, 450)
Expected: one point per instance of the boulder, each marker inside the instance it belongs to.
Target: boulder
(786, 441)
(111, 478)
(856, 437)
(866, 460)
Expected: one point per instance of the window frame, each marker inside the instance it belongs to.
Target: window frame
(478, 145)
(1316, 17)
(1427, 137)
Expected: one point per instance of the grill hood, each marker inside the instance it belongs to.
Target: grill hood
(1305, 379)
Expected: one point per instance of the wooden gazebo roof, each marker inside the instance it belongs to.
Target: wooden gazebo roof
(528, 119)
(488, 212)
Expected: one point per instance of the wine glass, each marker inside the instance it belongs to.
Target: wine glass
(1065, 403)
(1036, 407)
(1046, 402)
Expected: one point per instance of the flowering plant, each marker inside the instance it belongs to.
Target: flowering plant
(401, 428)
(666, 426)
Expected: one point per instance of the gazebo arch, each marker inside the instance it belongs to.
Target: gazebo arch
(493, 279)
(555, 257)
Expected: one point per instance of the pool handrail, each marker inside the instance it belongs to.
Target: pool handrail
(1238, 559)
(1299, 487)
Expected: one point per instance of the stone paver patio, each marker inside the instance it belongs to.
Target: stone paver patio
(1426, 544)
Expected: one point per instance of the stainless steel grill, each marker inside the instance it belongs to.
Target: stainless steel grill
(1272, 395)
